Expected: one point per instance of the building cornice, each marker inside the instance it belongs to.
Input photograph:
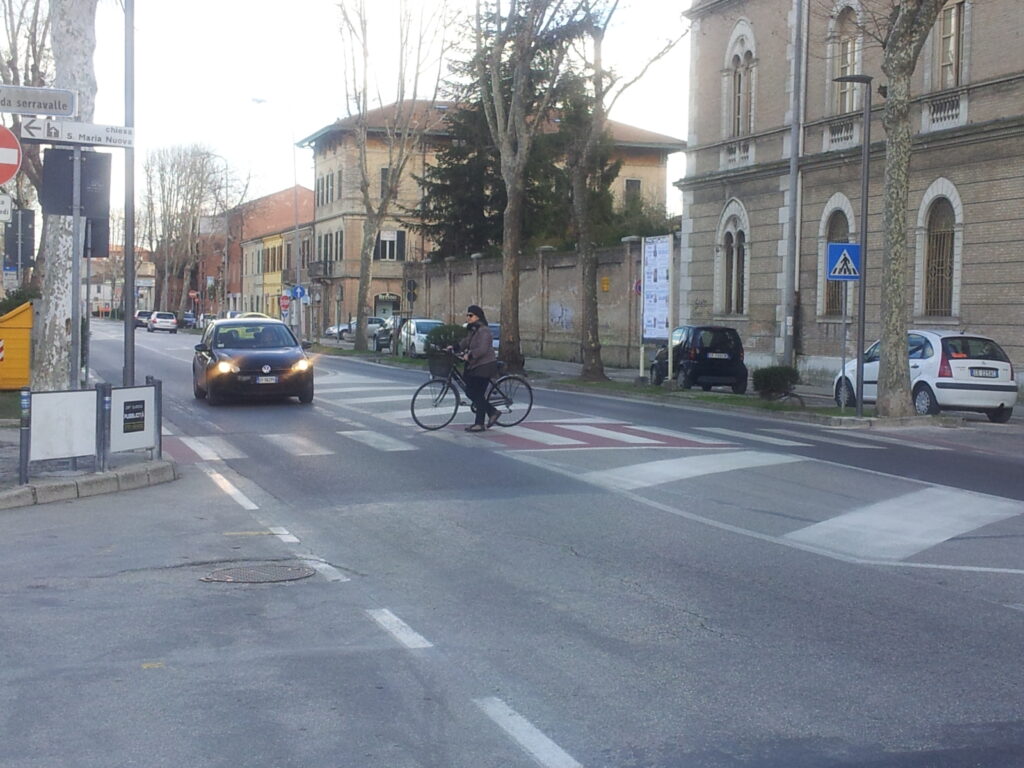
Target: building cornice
(709, 7)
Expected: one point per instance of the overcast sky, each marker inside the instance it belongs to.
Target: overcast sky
(247, 78)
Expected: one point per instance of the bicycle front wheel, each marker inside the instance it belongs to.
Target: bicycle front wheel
(434, 405)
(512, 396)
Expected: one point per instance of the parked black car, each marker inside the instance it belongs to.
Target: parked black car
(251, 357)
(387, 332)
(704, 356)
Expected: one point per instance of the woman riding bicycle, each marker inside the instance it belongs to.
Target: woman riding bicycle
(477, 349)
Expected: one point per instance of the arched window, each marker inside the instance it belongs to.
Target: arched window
(845, 63)
(734, 266)
(838, 232)
(938, 286)
(742, 93)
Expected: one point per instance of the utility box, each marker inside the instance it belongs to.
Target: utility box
(15, 347)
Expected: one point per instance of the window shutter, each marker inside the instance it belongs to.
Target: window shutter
(400, 255)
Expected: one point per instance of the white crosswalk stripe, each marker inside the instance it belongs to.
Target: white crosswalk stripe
(620, 436)
(212, 448)
(297, 445)
(900, 527)
(756, 438)
(546, 438)
(650, 473)
(377, 441)
(903, 442)
(406, 396)
(825, 438)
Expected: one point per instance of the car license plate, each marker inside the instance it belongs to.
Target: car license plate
(718, 355)
(985, 373)
(266, 379)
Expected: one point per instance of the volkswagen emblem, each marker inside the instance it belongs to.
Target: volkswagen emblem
(265, 369)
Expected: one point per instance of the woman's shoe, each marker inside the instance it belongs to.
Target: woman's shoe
(475, 428)
(493, 419)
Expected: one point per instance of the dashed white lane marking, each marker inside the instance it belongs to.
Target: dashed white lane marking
(398, 629)
(650, 473)
(377, 441)
(754, 437)
(212, 448)
(282, 534)
(297, 445)
(609, 434)
(897, 528)
(225, 485)
(329, 572)
(526, 735)
(826, 439)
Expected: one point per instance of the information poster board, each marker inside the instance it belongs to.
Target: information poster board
(63, 425)
(657, 283)
(133, 418)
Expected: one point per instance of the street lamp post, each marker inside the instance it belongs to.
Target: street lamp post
(865, 167)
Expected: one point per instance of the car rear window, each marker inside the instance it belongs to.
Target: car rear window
(973, 348)
(163, 315)
(718, 340)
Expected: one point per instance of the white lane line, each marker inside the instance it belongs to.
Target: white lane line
(398, 629)
(650, 473)
(897, 528)
(901, 442)
(611, 434)
(225, 485)
(526, 735)
(329, 572)
(297, 445)
(689, 436)
(282, 534)
(756, 438)
(825, 438)
(212, 448)
(377, 441)
(406, 395)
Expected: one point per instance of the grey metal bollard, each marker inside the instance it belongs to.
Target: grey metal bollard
(25, 436)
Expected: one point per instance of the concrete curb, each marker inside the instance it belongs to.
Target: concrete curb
(121, 479)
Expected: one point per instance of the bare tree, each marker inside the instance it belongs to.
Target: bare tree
(74, 41)
(389, 136)
(586, 131)
(520, 58)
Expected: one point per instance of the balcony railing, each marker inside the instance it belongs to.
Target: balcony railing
(945, 111)
(841, 133)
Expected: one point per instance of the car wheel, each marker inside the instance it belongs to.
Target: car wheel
(844, 395)
(999, 415)
(149, 330)
(925, 403)
(344, 336)
(656, 376)
(306, 395)
(412, 350)
(211, 395)
(706, 387)
(174, 331)
(740, 387)
(685, 379)
(199, 393)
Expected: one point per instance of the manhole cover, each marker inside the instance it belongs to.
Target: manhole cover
(260, 574)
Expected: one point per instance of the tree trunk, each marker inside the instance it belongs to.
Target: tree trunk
(371, 226)
(593, 368)
(510, 350)
(74, 40)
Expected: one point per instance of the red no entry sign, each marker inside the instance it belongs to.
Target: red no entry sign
(285, 301)
(10, 155)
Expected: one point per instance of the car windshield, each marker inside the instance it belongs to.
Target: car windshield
(253, 337)
(426, 327)
(973, 348)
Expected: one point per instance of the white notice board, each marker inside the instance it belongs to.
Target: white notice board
(63, 425)
(657, 267)
(133, 418)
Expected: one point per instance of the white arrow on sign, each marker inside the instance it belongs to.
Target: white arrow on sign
(68, 132)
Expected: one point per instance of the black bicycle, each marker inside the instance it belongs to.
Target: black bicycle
(437, 401)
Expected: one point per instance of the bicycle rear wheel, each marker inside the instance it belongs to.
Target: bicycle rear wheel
(435, 404)
(512, 396)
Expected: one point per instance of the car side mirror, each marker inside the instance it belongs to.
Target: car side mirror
(202, 348)
(307, 345)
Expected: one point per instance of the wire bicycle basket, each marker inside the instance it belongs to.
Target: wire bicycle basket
(440, 364)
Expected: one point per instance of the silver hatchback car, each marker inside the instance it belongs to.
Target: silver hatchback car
(162, 321)
(949, 370)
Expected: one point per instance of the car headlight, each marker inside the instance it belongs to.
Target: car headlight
(225, 367)
(302, 365)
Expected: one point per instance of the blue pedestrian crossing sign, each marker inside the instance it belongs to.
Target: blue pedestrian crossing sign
(843, 261)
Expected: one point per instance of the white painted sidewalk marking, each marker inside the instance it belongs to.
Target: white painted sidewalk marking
(897, 528)
(650, 473)
(526, 735)
(398, 629)
(756, 438)
(377, 441)
(282, 534)
(212, 448)
(297, 445)
(225, 485)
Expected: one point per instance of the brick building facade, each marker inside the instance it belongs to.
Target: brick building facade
(965, 212)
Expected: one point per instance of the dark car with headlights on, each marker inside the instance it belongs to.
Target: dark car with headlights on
(251, 357)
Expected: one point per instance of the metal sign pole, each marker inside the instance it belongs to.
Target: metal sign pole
(76, 270)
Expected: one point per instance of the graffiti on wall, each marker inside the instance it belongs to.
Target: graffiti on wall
(560, 316)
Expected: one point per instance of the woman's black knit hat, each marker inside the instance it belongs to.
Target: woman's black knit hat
(476, 310)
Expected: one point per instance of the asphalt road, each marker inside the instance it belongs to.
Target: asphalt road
(611, 584)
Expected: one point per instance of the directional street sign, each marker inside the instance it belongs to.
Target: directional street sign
(843, 261)
(298, 292)
(10, 155)
(69, 132)
(23, 100)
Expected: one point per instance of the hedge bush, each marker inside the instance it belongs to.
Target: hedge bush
(445, 336)
(775, 380)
